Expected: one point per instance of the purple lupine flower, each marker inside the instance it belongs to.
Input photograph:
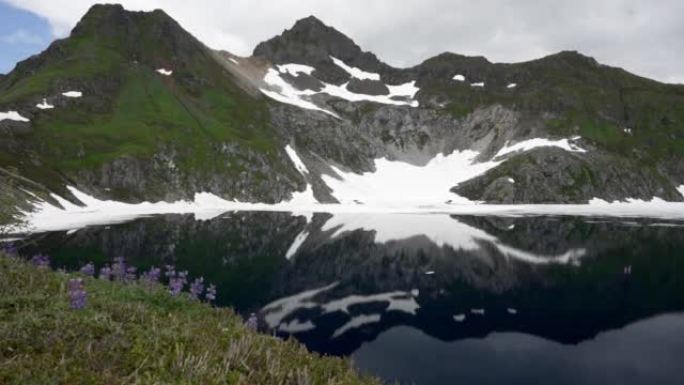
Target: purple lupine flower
(119, 269)
(252, 322)
(77, 293)
(210, 296)
(151, 276)
(42, 261)
(131, 274)
(197, 288)
(88, 269)
(10, 249)
(106, 273)
(176, 283)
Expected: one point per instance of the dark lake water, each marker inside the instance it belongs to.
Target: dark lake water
(433, 299)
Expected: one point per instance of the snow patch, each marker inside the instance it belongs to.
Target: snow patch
(459, 317)
(408, 90)
(681, 190)
(402, 90)
(301, 167)
(459, 78)
(355, 72)
(44, 105)
(511, 85)
(478, 84)
(511, 180)
(400, 184)
(289, 94)
(165, 72)
(526, 145)
(73, 94)
(13, 115)
(234, 61)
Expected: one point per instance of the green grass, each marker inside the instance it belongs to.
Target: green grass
(131, 335)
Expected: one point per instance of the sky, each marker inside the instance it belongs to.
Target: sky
(642, 36)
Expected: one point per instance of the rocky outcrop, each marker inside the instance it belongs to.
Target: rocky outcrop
(550, 175)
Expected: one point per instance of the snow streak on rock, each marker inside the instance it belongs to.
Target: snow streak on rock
(13, 115)
(355, 72)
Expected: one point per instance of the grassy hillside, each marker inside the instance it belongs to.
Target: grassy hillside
(127, 334)
(130, 111)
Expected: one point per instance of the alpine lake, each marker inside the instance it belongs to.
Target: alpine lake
(431, 299)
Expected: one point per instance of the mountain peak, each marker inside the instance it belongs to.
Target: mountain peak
(110, 18)
(312, 42)
(309, 22)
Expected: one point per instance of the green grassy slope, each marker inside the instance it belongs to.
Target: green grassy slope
(128, 109)
(131, 335)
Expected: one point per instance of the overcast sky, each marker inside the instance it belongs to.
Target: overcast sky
(645, 37)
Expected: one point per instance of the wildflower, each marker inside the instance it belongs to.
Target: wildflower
(88, 269)
(211, 293)
(42, 261)
(176, 282)
(151, 276)
(106, 273)
(197, 288)
(252, 322)
(77, 294)
(10, 249)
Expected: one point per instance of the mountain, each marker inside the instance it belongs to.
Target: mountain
(132, 107)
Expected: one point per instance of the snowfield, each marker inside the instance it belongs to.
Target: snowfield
(527, 145)
(73, 94)
(288, 94)
(44, 105)
(13, 115)
(294, 157)
(399, 184)
(394, 188)
(355, 72)
(165, 72)
(280, 90)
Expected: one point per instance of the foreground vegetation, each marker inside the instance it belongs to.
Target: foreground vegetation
(137, 334)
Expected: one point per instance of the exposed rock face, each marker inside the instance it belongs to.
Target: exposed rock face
(368, 87)
(549, 175)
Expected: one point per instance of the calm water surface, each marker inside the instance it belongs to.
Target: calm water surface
(433, 299)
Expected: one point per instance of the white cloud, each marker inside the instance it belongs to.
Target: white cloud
(20, 36)
(641, 36)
